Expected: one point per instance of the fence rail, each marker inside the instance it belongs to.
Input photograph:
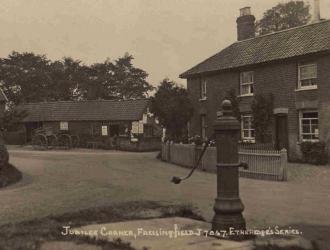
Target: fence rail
(263, 164)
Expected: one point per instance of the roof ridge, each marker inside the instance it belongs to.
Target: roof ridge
(285, 30)
(247, 52)
(81, 101)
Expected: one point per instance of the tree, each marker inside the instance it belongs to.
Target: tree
(27, 77)
(173, 108)
(130, 81)
(284, 16)
(12, 119)
(262, 112)
(115, 80)
(67, 76)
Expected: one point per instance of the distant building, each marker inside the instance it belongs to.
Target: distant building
(292, 64)
(93, 120)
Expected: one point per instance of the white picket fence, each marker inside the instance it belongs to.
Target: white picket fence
(263, 164)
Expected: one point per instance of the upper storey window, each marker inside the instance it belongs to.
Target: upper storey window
(203, 85)
(307, 76)
(246, 83)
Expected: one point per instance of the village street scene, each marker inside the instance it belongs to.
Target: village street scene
(156, 125)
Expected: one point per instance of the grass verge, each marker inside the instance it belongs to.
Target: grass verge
(30, 235)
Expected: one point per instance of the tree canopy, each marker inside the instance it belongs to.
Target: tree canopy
(28, 77)
(173, 108)
(284, 16)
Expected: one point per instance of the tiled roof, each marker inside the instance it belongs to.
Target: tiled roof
(98, 110)
(299, 41)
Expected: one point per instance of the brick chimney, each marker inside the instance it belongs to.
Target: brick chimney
(317, 15)
(245, 24)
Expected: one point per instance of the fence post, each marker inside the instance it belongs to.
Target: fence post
(284, 164)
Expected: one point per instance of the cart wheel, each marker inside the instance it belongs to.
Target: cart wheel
(75, 141)
(39, 142)
(64, 141)
(52, 141)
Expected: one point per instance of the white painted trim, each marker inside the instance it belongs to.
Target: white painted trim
(299, 79)
(203, 99)
(245, 95)
(300, 124)
(312, 87)
(245, 83)
(246, 139)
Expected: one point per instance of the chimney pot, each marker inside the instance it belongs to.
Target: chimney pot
(245, 11)
(245, 24)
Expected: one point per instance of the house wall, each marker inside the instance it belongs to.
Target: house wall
(278, 78)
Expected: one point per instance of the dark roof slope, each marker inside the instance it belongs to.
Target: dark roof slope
(98, 110)
(303, 40)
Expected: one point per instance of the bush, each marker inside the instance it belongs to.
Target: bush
(9, 175)
(314, 153)
(196, 139)
(4, 156)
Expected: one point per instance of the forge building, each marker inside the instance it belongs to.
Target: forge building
(130, 121)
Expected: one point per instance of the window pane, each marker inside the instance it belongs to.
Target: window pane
(314, 122)
(247, 77)
(309, 125)
(246, 133)
(203, 88)
(314, 128)
(304, 83)
(306, 129)
(307, 137)
(245, 89)
(64, 126)
(310, 115)
(308, 71)
(251, 88)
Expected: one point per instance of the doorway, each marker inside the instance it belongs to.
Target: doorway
(282, 139)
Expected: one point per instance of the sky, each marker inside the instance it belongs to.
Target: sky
(166, 37)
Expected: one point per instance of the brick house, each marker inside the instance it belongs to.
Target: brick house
(93, 119)
(292, 64)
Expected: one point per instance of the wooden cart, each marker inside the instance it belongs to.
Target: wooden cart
(44, 138)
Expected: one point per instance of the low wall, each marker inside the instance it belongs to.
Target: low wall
(263, 164)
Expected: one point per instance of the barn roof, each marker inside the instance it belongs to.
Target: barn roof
(96, 110)
(299, 41)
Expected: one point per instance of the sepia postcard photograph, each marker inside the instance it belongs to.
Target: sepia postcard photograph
(165, 125)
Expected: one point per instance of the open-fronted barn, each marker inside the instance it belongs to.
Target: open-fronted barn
(94, 121)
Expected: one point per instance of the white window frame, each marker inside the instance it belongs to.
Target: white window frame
(311, 86)
(64, 126)
(249, 138)
(203, 89)
(301, 112)
(249, 84)
(104, 130)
